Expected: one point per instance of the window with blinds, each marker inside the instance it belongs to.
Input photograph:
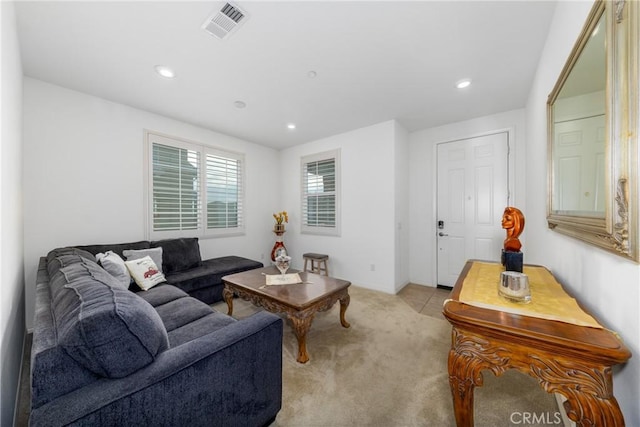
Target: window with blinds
(193, 190)
(224, 192)
(320, 193)
(176, 188)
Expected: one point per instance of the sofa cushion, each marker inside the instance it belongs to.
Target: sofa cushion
(53, 371)
(210, 272)
(109, 330)
(70, 251)
(200, 327)
(185, 318)
(162, 294)
(182, 311)
(179, 254)
(61, 257)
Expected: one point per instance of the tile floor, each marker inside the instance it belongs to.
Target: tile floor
(423, 299)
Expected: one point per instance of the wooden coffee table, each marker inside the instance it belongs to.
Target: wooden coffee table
(300, 301)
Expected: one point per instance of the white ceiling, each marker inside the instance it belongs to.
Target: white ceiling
(375, 61)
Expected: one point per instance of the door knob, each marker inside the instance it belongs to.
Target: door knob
(441, 234)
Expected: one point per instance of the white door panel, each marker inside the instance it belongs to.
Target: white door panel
(472, 195)
(456, 246)
(484, 249)
(580, 151)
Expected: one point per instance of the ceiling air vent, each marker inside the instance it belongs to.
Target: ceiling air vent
(225, 21)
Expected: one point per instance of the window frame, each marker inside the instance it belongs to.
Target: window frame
(320, 230)
(201, 231)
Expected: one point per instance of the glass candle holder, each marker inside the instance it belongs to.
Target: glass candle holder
(514, 286)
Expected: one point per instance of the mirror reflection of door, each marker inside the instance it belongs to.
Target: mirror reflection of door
(579, 133)
(471, 197)
(579, 165)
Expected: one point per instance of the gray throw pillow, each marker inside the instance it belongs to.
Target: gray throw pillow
(115, 266)
(154, 253)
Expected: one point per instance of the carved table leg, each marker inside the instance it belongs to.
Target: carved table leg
(587, 387)
(462, 389)
(469, 355)
(589, 410)
(227, 294)
(301, 322)
(344, 303)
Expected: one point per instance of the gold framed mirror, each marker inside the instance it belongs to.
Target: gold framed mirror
(592, 121)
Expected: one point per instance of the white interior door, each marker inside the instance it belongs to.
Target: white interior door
(472, 194)
(579, 169)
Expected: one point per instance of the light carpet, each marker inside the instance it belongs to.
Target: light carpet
(389, 369)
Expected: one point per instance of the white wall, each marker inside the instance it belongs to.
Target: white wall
(422, 166)
(83, 176)
(607, 285)
(12, 325)
(368, 206)
(401, 196)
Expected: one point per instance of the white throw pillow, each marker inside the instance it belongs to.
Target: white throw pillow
(145, 272)
(154, 253)
(114, 265)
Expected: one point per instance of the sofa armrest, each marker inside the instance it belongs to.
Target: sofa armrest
(232, 376)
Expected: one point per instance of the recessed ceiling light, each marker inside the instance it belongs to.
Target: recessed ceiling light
(312, 74)
(291, 126)
(165, 72)
(463, 83)
(240, 104)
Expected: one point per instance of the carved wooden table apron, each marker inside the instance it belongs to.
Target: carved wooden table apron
(574, 361)
(299, 302)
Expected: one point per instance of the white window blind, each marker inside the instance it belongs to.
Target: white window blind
(176, 178)
(320, 193)
(193, 190)
(224, 191)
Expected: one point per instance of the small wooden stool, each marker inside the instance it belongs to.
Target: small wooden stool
(318, 263)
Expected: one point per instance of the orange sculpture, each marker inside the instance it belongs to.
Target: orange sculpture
(513, 222)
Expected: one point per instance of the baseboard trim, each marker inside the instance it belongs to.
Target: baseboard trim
(23, 395)
(16, 406)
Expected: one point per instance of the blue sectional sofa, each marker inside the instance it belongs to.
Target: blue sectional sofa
(104, 355)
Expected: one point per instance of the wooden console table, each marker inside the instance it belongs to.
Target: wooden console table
(572, 360)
